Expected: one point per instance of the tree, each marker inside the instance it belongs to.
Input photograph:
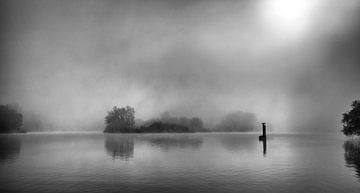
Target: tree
(351, 120)
(196, 123)
(160, 127)
(10, 120)
(184, 121)
(120, 120)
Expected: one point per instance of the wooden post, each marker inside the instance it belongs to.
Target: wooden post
(264, 129)
(263, 136)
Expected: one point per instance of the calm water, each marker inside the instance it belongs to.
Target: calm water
(178, 163)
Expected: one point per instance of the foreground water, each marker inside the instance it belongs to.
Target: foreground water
(89, 162)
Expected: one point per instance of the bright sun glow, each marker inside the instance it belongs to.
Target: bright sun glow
(288, 17)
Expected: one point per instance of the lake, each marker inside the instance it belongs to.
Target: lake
(200, 162)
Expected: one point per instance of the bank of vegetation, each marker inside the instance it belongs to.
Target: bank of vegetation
(122, 120)
(11, 120)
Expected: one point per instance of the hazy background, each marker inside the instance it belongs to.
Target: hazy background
(295, 64)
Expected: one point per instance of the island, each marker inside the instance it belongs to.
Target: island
(122, 120)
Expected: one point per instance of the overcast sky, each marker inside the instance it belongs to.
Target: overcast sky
(294, 63)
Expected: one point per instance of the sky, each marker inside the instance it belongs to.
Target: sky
(294, 63)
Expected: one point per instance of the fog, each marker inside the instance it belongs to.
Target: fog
(295, 64)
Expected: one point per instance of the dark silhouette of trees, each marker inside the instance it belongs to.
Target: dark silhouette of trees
(184, 121)
(196, 124)
(10, 120)
(160, 127)
(120, 120)
(351, 120)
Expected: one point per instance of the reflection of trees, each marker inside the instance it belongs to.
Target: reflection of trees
(173, 142)
(9, 148)
(352, 156)
(119, 147)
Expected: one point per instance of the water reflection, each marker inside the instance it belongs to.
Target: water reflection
(238, 142)
(216, 162)
(172, 142)
(10, 147)
(264, 146)
(118, 147)
(352, 156)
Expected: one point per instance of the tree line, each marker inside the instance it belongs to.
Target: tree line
(11, 121)
(122, 120)
(351, 120)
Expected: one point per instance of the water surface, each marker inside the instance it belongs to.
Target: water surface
(201, 162)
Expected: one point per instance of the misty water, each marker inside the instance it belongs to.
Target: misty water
(201, 162)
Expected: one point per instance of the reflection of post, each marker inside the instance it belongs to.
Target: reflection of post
(263, 137)
(264, 146)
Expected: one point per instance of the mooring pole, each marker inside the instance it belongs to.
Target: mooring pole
(264, 129)
(263, 136)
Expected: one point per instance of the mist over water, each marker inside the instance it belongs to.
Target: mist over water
(67, 63)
